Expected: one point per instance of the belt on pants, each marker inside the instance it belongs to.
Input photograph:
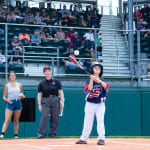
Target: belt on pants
(51, 96)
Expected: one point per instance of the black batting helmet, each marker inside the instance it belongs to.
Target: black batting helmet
(96, 64)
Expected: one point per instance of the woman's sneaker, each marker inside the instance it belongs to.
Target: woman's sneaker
(81, 142)
(100, 142)
(1, 136)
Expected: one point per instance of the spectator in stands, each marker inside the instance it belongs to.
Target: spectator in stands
(60, 35)
(79, 8)
(70, 33)
(2, 58)
(15, 43)
(38, 19)
(29, 19)
(89, 35)
(54, 16)
(35, 38)
(1, 31)
(82, 21)
(24, 38)
(90, 23)
(140, 26)
(146, 9)
(137, 14)
(26, 11)
(99, 45)
(16, 59)
(11, 17)
(65, 21)
(64, 10)
(2, 14)
(50, 32)
(77, 42)
(43, 35)
(90, 47)
(72, 17)
(75, 12)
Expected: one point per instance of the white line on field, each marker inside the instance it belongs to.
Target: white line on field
(33, 146)
(59, 145)
(138, 144)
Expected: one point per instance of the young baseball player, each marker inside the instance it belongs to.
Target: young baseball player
(96, 89)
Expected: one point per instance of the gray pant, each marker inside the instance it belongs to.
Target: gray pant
(50, 106)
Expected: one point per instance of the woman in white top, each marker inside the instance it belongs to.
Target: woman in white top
(12, 94)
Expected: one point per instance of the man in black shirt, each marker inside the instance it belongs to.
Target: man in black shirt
(51, 93)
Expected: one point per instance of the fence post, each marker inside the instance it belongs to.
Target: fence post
(52, 67)
(95, 35)
(139, 58)
(6, 53)
(101, 10)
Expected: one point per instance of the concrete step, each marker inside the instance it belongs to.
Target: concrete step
(116, 71)
(108, 64)
(115, 67)
(114, 53)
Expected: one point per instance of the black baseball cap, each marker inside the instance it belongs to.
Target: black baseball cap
(45, 68)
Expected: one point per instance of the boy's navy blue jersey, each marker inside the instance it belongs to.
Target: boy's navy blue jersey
(97, 94)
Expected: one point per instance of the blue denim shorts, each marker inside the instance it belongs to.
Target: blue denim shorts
(15, 106)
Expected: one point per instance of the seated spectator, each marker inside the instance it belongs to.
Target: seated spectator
(1, 31)
(38, 19)
(2, 58)
(137, 14)
(65, 21)
(82, 21)
(79, 8)
(16, 59)
(15, 43)
(90, 23)
(64, 10)
(70, 33)
(2, 14)
(29, 19)
(43, 35)
(99, 45)
(71, 16)
(60, 35)
(90, 47)
(140, 25)
(50, 32)
(26, 11)
(11, 17)
(77, 42)
(88, 37)
(35, 38)
(146, 9)
(24, 38)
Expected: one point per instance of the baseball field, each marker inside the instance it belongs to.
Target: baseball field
(69, 144)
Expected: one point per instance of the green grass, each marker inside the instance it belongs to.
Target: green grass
(148, 137)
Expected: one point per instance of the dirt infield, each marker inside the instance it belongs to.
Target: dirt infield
(69, 144)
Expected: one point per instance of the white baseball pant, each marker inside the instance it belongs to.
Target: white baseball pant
(92, 109)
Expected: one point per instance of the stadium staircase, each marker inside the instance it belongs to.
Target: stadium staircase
(114, 48)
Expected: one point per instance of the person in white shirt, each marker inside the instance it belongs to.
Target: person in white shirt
(89, 36)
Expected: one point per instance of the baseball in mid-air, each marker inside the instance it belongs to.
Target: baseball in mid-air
(76, 52)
